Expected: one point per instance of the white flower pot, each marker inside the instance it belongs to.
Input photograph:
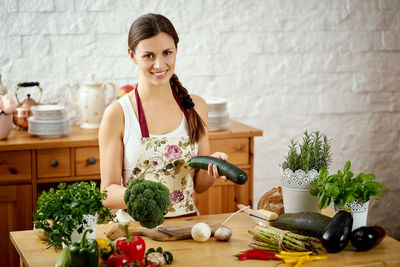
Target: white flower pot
(296, 191)
(91, 224)
(360, 212)
(299, 200)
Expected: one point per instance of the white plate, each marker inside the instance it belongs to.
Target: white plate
(49, 112)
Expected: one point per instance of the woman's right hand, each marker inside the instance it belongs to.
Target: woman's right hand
(213, 169)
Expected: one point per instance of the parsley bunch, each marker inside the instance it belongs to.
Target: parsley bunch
(342, 188)
(60, 212)
(313, 153)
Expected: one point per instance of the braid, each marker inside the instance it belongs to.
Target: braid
(196, 124)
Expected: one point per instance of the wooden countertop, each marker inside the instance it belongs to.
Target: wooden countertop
(33, 251)
(78, 137)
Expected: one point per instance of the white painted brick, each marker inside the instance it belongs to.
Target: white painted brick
(295, 20)
(359, 20)
(111, 45)
(9, 5)
(390, 4)
(98, 5)
(72, 45)
(11, 47)
(36, 5)
(368, 81)
(363, 4)
(396, 101)
(105, 69)
(35, 69)
(63, 5)
(35, 45)
(319, 82)
(110, 22)
(391, 40)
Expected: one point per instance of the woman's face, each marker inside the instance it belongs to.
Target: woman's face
(156, 57)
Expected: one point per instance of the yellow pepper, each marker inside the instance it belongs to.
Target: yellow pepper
(106, 247)
(295, 254)
(301, 260)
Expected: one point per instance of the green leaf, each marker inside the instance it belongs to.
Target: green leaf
(347, 166)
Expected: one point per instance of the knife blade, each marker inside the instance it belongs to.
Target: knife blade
(165, 231)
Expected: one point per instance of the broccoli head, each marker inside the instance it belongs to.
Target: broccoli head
(147, 202)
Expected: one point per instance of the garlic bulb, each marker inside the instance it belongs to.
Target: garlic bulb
(201, 232)
(223, 233)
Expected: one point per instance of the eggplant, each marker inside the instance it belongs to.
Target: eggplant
(337, 233)
(364, 238)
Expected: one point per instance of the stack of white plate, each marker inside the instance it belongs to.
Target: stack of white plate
(218, 116)
(48, 121)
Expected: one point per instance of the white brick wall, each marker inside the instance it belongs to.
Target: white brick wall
(285, 67)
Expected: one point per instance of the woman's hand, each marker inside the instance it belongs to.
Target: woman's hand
(213, 170)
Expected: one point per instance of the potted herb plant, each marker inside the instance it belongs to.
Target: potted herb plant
(65, 213)
(301, 166)
(345, 190)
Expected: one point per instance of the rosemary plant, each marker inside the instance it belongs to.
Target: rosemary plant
(312, 153)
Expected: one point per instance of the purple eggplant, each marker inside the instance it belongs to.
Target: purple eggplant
(364, 238)
(337, 233)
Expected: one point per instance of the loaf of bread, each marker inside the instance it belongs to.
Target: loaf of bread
(272, 201)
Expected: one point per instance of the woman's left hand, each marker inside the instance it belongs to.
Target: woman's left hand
(213, 170)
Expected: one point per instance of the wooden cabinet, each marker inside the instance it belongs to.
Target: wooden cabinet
(16, 214)
(30, 165)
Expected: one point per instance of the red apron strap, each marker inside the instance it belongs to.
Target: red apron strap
(180, 105)
(142, 117)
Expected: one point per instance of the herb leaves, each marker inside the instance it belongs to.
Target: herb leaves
(342, 188)
(60, 212)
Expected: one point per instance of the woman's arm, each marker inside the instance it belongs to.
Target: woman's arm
(112, 155)
(204, 179)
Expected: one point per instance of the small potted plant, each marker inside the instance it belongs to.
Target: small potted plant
(7, 107)
(346, 191)
(65, 213)
(301, 166)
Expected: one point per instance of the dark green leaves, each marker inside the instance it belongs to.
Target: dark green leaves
(59, 212)
(314, 153)
(342, 188)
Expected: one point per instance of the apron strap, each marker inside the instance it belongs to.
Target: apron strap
(142, 117)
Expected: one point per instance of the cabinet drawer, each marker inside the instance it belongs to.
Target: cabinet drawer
(87, 161)
(236, 148)
(53, 163)
(15, 167)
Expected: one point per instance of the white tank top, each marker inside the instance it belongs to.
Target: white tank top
(132, 135)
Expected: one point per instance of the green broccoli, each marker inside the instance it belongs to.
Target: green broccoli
(147, 202)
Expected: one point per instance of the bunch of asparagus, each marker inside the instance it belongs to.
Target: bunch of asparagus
(268, 238)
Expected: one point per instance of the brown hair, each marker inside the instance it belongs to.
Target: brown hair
(150, 25)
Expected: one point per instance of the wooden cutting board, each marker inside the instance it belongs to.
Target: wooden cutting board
(182, 228)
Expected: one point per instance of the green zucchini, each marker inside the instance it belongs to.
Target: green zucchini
(232, 172)
(303, 223)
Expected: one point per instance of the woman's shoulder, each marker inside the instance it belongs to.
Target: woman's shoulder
(198, 101)
(113, 116)
(200, 105)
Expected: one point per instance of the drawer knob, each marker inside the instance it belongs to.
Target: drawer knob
(92, 161)
(54, 163)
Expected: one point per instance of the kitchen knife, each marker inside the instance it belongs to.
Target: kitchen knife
(165, 231)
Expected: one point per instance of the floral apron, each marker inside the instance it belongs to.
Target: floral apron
(163, 159)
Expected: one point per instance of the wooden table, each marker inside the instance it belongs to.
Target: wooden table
(33, 251)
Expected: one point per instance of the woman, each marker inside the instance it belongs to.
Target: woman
(154, 130)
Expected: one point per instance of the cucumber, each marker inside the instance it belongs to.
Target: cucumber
(64, 259)
(303, 223)
(232, 172)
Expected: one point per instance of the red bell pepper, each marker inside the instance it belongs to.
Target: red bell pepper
(133, 247)
(117, 260)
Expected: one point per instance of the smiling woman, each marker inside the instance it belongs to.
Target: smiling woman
(154, 130)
